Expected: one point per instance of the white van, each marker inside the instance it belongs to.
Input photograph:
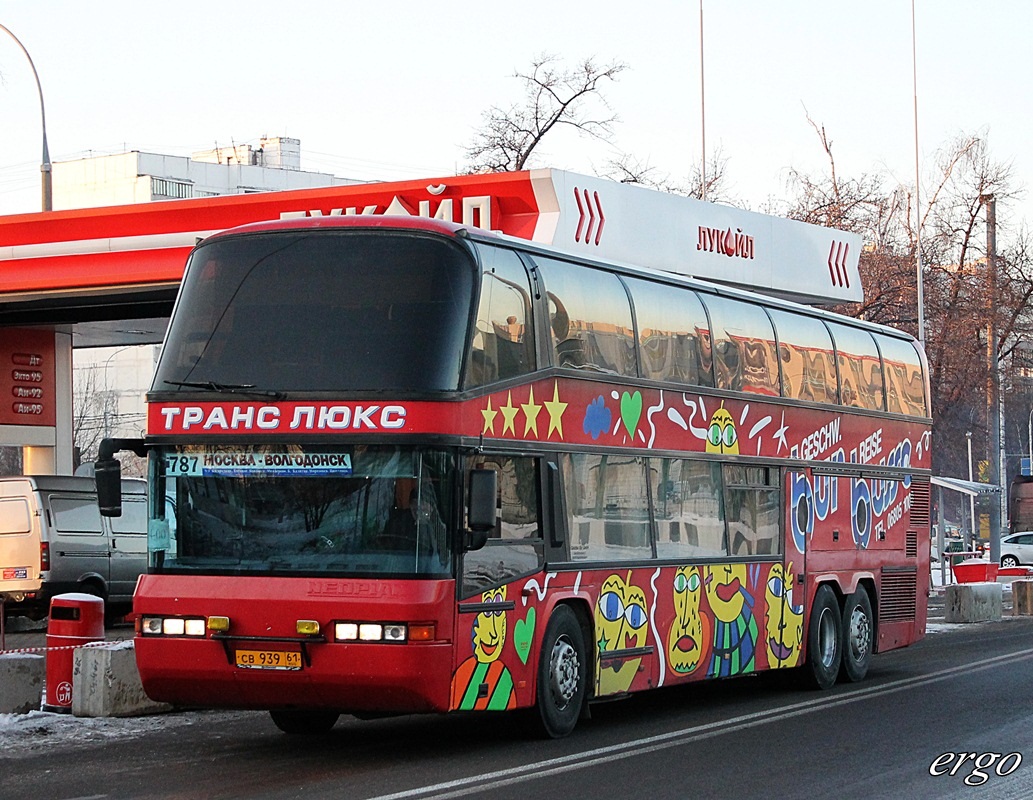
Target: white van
(54, 540)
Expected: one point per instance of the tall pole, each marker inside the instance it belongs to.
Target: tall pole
(995, 453)
(1029, 435)
(45, 173)
(702, 113)
(918, 206)
(971, 497)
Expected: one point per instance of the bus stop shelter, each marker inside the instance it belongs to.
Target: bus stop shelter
(970, 489)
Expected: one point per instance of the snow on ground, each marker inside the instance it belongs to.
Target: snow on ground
(26, 734)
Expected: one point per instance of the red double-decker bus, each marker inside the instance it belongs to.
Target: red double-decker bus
(400, 464)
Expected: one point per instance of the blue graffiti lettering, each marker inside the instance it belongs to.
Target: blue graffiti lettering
(861, 511)
(801, 504)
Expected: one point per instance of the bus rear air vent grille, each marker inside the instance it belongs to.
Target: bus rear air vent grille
(919, 502)
(897, 602)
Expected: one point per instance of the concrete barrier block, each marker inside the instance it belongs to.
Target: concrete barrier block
(973, 602)
(21, 682)
(1022, 598)
(105, 683)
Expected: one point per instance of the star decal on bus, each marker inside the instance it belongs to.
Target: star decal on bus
(531, 411)
(509, 412)
(555, 408)
(489, 415)
(780, 435)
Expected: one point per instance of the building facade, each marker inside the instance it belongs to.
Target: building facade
(109, 383)
(138, 177)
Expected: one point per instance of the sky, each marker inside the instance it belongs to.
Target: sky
(390, 91)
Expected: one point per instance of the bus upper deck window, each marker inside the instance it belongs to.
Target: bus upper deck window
(673, 333)
(743, 342)
(503, 340)
(590, 319)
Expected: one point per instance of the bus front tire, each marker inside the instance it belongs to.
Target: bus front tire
(824, 640)
(858, 630)
(562, 670)
(304, 722)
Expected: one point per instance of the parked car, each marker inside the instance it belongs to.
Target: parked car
(54, 540)
(1017, 548)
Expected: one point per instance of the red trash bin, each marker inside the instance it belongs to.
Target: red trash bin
(75, 619)
(974, 570)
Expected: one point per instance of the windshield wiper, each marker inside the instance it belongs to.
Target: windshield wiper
(228, 388)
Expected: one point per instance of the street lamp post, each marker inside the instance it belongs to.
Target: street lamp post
(1029, 432)
(111, 395)
(48, 186)
(919, 291)
(995, 449)
(971, 497)
(702, 114)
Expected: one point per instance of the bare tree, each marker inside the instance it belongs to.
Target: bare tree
(553, 97)
(95, 415)
(628, 169)
(858, 205)
(87, 429)
(958, 301)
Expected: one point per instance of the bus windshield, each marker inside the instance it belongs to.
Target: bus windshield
(324, 511)
(321, 311)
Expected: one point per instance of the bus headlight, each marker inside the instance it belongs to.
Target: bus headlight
(173, 626)
(151, 626)
(390, 632)
(194, 627)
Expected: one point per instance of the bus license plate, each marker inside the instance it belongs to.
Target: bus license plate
(268, 659)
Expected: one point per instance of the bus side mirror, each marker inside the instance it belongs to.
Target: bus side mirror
(108, 474)
(481, 507)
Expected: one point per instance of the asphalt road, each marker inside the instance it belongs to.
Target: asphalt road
(964, 689)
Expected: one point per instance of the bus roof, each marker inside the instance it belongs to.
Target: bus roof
(370, 222)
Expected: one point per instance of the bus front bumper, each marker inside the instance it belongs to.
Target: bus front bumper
(346, 677)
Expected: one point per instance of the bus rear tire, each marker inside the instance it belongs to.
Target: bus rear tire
(304, 722)
(858, 636)
(824, 640)
(562, 670)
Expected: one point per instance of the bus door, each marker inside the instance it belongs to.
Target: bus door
(496, 619)
(554, 513)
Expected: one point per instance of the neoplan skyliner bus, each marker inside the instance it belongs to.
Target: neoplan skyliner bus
(400, 464)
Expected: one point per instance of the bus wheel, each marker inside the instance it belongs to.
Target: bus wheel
(561, 674)
(307, 722)
(858, 635)
(824, 653)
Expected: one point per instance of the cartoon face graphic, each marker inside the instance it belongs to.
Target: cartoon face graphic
(721, 434)
(725, 584)
(689, 638)
(783, 619)
(489, 629)
(735, 627)
(483, 682)
(620, 619)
